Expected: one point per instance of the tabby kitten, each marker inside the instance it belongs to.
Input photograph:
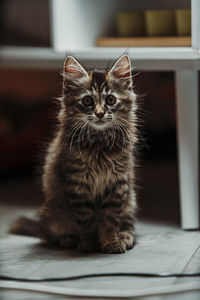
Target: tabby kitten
(89, 169)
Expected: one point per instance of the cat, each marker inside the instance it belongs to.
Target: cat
(88, 178)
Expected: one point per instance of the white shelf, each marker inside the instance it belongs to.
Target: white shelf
(155, 58)
(75, 24)
(89, 19)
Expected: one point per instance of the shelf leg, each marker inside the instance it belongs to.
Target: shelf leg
(188, 146)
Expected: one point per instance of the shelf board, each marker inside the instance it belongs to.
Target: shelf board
(148, 58)
(169, 41)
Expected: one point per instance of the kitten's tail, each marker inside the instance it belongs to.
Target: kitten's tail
(25, 226)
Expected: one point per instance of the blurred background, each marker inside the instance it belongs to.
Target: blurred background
(28, 116)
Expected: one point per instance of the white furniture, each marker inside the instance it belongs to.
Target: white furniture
(88, 19)
(76, 24)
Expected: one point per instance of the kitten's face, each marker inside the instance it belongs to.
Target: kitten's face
(99, 99)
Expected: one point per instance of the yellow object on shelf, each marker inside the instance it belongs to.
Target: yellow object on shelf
(183, 22)
(174, 41)
(160, 22)
(130, 23)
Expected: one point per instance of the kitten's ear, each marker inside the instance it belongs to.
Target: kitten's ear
(122, 68)
(72, 70)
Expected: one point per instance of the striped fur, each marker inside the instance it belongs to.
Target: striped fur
(89, 169)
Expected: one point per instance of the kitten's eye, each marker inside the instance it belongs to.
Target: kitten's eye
(87, 101)
(110, 100)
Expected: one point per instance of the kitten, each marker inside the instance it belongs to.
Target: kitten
(89, 168)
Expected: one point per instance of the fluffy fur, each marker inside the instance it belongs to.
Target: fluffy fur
(88, 178)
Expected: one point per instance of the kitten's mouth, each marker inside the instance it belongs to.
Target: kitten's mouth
(99, 124)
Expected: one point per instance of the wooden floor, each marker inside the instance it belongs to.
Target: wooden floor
(162, 247)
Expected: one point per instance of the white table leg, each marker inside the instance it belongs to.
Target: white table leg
(188, 146)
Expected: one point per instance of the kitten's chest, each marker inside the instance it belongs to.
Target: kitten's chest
(102, 171)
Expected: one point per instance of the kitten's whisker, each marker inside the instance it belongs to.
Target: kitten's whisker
(139, 133)
(128, 123)
(88, 134)
(72, 128)
(72, 138)
(145, 112)
(141, 137)
(129, 136)
(69, 133)
(78, 127)
(123, 137)
(126, 130)
(123, 120)
(113, 135)
(79, 139)
(84, 133)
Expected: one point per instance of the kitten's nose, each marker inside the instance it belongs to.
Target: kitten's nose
(99, 114)
(99, 111)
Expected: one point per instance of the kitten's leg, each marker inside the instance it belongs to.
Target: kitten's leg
(127, 234)
(57, 226)
(68, 241)
(109, 228)
(89, 243)
(86, 219)
(115, 211)
(76, 217)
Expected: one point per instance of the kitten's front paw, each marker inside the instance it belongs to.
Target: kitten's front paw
(89, 246)
(128, 238)
(114, 247)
